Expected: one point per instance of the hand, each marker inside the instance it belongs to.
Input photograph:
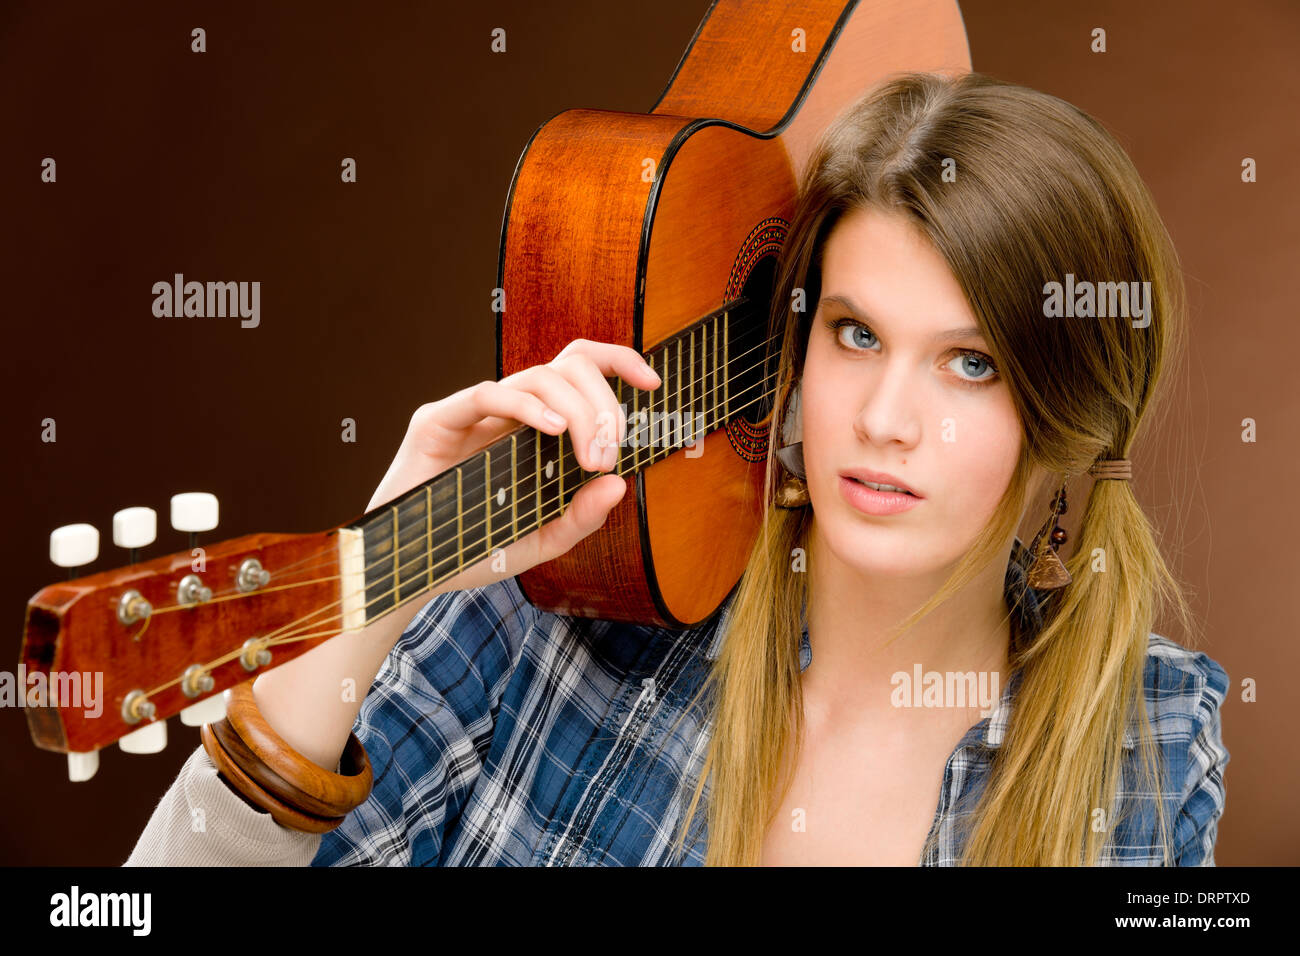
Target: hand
(572, 388)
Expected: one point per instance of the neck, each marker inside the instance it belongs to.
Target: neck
(850, 618)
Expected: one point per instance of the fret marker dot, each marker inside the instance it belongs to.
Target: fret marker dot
(501, 496)
(550, 467)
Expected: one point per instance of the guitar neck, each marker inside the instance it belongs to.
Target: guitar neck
(720, 367)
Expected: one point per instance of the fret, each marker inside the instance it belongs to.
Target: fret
(377, 564)
(559, 467)
(397, 556)
(711, 392)
(394, 556)
(548, 461)
(428, 529)
(569, 465)
(615, 383)
(502, 494)
(632, 432)
(666, 427)
(694, 420)
(654, 416)
(703, 373)
(677, 438)
(487, 497)
(412, 552)
(664, 441)
(475, 500)
(537, 473)
(446, 525)
(514, 488)
(619, 385)
(460, 525)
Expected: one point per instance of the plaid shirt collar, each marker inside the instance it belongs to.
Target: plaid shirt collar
(991, 730)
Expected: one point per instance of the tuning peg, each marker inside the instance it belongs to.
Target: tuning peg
(82, 766)
(74, 545)
(149, 739)
(205, 711)
(194, 511)
(135, 528)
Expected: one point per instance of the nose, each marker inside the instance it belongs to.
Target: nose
(888, 410)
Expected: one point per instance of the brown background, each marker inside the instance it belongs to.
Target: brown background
(375, 296)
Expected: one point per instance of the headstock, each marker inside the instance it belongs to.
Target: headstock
(110, 656)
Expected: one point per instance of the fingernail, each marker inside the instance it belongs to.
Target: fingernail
(553, 417)
(594, 451)
(611, 457)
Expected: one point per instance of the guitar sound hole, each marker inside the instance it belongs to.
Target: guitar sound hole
(754, 378)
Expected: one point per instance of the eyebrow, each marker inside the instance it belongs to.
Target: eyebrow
(949, 335)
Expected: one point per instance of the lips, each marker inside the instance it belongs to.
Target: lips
(880, 478)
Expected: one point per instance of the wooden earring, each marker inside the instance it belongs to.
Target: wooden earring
(1048, 572)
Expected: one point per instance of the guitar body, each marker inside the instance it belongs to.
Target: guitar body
(626, 228)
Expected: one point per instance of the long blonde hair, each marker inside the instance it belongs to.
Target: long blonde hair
(1040, 190)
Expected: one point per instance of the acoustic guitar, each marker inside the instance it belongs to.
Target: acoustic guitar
(659, 231)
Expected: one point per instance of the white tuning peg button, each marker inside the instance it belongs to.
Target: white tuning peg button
(194, 511)
(205, 711)
(135, 527)
(149, 739)
(82, 766)
(74, 545)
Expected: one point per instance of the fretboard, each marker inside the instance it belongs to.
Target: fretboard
(722, 366)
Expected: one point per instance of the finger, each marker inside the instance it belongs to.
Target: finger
(620, 360)
(470, 406)
(610, 424)
(557, 391)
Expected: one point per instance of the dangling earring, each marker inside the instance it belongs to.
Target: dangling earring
(792, 492)
(1047, 572)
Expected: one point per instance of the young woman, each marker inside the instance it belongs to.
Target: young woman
(832, 712)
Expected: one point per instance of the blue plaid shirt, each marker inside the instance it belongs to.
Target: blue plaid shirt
(504, 735)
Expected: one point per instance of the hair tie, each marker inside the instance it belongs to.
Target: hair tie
(1119, 469)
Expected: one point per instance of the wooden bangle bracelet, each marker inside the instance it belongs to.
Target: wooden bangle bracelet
(242, 784)
(336, 793)
(265, 777)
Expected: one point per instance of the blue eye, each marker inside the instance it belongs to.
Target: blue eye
(976, 370)
(981, 362)
(858, 334)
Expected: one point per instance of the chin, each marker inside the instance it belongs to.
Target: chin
(874, 547)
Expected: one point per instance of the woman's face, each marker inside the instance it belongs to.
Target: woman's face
(895, 389)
